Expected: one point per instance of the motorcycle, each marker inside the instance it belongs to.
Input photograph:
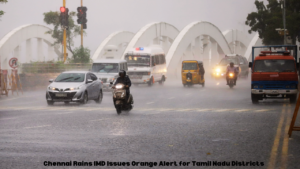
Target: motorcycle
(120, 99)
(231, 79)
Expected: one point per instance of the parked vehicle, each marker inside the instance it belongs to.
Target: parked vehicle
(274, 73)
(219, 71)
(74, 86)
(107, 70)
(190, 73)
(146, 65)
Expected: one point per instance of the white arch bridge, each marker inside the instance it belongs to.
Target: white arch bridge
(198, 40)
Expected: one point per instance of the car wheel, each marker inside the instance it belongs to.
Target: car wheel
(203, 84)
(85, 98)
(100, 96)
(50, 103)
(150, 82)
(161, 82)
(255, 98)
(293, 98)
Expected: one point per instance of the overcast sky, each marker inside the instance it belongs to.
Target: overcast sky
(107, 16)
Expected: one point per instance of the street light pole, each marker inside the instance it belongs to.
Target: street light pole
(284, 29)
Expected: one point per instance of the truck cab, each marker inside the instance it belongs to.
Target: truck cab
(274, 73)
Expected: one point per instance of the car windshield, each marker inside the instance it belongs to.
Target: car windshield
(70, 77)
(189, 66)
(105, 67)
(138, 60)
(274, 66)
(226, 61)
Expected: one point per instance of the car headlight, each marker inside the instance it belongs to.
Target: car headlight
(111, 79)
(218, 70)
(255, 87)
(51, 88)
(287, 86)
(75, 88)
(293, 86)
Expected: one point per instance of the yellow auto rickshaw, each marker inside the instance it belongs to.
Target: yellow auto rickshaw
(192, 72)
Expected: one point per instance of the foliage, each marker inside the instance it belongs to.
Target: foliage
(269, 17)
(52, 18)
(2, 12)
(81, 55)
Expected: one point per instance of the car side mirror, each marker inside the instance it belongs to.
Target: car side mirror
(250, 64)
(89, 81)
(50, 80)
(111, 83)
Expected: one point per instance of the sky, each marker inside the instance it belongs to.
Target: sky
(108, 16)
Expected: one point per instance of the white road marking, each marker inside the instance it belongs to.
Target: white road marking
(9, 118)
(65, 113)
(146, 109)
(150, 103)
(184, 109)
(199, 110)
(165, 109)
(221, 110)
(263, 110)
(36, 127)
(242, 110)
(99, 119)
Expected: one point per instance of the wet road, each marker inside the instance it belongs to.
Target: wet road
(168, 123)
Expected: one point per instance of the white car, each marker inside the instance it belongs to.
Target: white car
(74, 86)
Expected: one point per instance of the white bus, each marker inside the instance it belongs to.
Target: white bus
(146, 65)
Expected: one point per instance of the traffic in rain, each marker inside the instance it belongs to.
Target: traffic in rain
(149, 84)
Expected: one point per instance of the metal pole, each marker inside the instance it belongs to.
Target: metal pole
(65, 37)
(81, 31)
(284, 40)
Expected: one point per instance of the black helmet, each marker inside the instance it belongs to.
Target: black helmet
(231, 64)
(122, 73)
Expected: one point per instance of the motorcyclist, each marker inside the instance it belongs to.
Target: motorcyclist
(201, 70)
(232, 69)
(124, 79)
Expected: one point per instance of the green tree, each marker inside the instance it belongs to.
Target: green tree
(52, 18)
(269, 17)
(81, 55)
(2, 12)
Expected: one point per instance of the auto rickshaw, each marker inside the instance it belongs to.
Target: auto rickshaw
(192, 72)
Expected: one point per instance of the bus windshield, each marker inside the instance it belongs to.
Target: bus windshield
(105, 67)
(274, 66)
(189, 66)
(138, 60)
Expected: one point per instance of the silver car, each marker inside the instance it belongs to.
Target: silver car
(107, 70)
(74, 86)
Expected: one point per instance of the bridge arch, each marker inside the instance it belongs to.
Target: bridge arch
(237, 40)
(11, 41)
(157, 33)
(190, 40)
(115, 41)
(256, 41)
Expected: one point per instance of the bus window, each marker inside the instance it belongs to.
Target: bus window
(153, 61)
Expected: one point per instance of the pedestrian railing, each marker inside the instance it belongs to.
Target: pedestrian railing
(52, 67)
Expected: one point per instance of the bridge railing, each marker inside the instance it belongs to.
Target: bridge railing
(52, 67)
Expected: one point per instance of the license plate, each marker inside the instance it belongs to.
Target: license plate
(61, 95)
(135, 77)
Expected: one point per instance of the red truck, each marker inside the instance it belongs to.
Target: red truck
(274, 73)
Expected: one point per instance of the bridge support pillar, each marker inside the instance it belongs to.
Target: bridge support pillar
(40, 55)
(214, 53)
(28, 51)
(197, 49)
(17, 52)
(50, 52)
